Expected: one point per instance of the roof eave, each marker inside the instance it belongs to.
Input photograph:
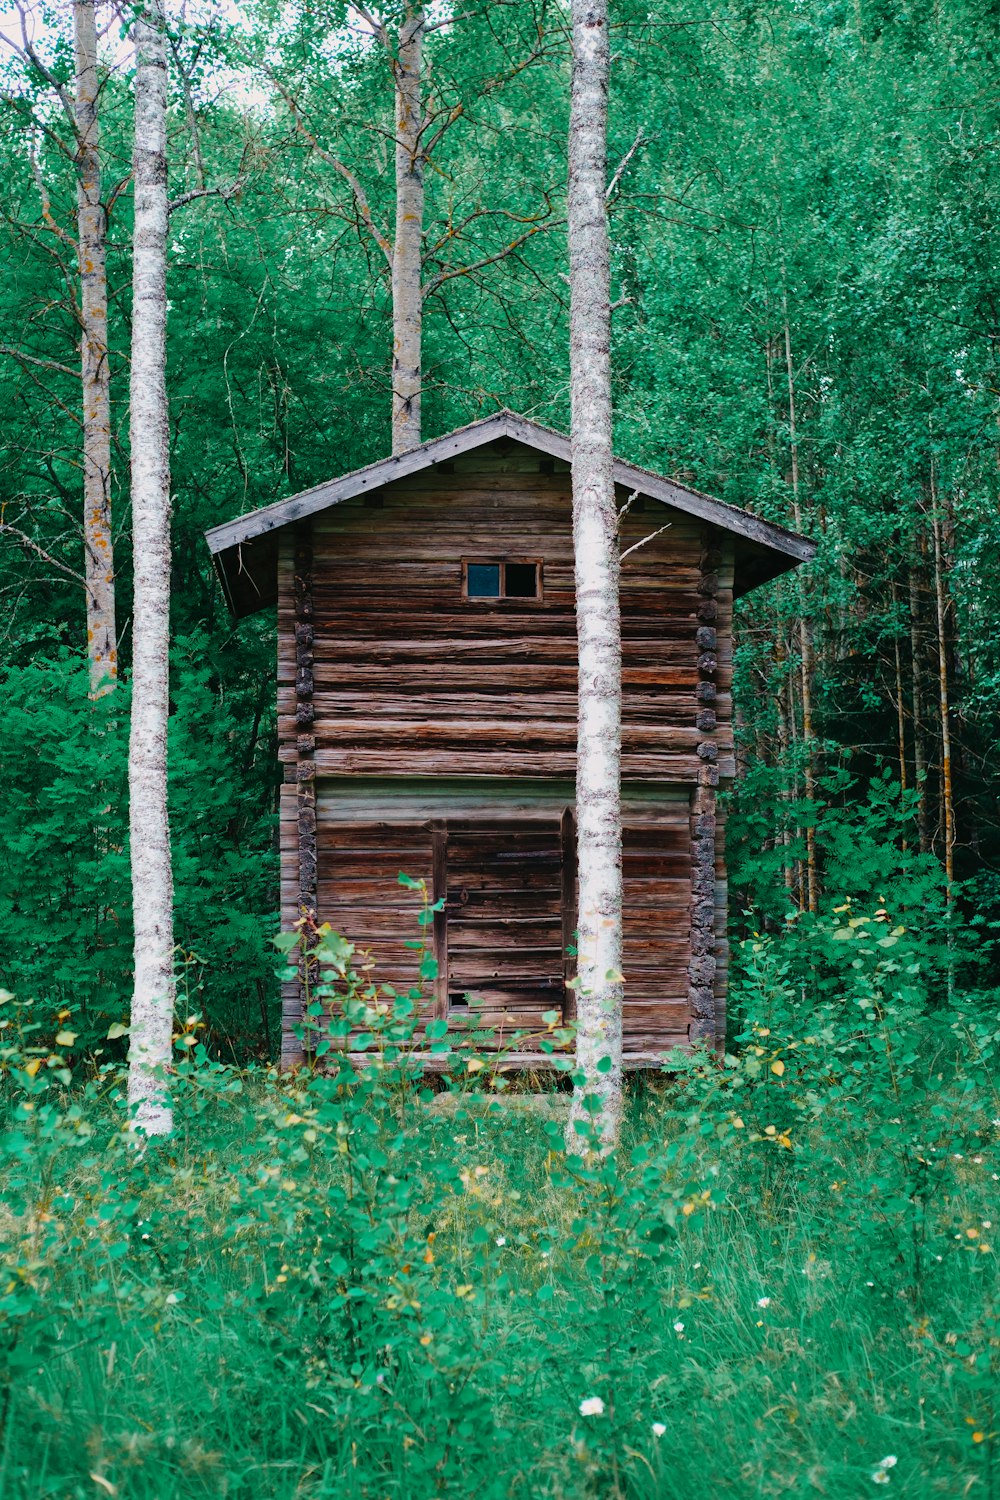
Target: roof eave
(231, 542)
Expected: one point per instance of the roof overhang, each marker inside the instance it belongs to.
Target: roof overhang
(245, 551)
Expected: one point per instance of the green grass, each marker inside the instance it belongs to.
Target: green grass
(240, 1387)
(330, 1286)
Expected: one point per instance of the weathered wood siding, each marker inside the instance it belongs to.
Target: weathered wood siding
(411, 679)
(414, 687)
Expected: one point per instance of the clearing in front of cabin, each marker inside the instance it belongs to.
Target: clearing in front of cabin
(327, 1284)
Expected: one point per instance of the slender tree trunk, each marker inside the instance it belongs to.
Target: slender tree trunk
(916, 657)
(805, 641)
(598, 619)
(102, 644)
(152, 881)
(941, 610)
(407, 281)
(900, 703)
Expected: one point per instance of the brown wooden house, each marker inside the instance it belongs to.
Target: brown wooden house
(427, 721)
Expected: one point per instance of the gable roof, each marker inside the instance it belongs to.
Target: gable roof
(244, 550)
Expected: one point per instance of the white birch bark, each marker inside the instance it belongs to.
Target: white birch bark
(152, 882)
(407, 288)
(598, 621)
(99, 571)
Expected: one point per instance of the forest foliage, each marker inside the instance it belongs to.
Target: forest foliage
(805, 268)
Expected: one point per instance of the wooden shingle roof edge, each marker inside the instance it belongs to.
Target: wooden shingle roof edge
(786, 548)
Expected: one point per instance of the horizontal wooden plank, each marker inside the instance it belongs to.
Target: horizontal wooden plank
(478, 762)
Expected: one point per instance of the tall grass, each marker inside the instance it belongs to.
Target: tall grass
(783, 1285)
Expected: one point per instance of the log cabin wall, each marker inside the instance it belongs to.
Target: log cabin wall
(442, 737)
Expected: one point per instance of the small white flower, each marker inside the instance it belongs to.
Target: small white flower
(659, 1428)
(987, 1223)
(958, 1156)
(592, 1406)
(763, 1302)
(978, 1160)
(880, 1477)
(888, 1463)
(172, 1299)
(501, 1239)
(997, 1124)
(678, 1327)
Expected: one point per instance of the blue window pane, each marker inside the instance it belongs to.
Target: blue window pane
(484, 580)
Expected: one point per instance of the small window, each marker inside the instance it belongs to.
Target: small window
(503, 579)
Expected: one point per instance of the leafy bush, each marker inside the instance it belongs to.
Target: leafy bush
(65, 896)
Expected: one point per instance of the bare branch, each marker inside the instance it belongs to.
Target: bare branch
(627, 507)
(224, 190)
(26, 51)
(31, 359)
(32, 546)
(463, 15)
(116, 193)
(360, 196)
(43, 194)
(436, 282)
(455, 113)
(376, 25)
(642, 542)
(623, 164)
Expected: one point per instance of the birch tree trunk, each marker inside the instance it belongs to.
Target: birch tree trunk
(407, 288)
(152, 882)
(99, 570)
(598, 620)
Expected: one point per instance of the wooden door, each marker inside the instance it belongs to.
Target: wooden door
(507, 886)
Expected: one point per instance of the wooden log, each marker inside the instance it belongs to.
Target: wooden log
(292, 1045)
(702, 972)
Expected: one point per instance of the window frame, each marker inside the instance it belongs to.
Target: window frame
(492, 601)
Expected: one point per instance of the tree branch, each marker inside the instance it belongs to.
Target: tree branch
(436, 282)
(31, 359)
(225, 191)
(623, 164)
(43, 194)
(26, 51)
(642, 542)
(53, 562)
(360, 196)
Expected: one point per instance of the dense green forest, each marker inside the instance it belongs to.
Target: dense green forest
(339, 1280)
(805, 270)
